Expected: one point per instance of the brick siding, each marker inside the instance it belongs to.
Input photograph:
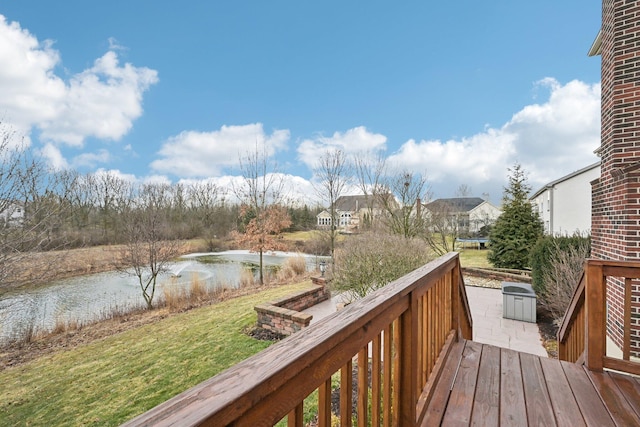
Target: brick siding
(615, 227)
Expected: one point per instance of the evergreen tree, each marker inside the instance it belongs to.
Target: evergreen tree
(518, 228)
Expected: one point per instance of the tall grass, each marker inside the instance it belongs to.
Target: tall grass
(247, 279)
(29, 329)
(176, 297)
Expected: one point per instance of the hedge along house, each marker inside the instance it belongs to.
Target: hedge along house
(615, 214)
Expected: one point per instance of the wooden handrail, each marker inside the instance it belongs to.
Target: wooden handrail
(410, 323)
(571, 340)
(583, 333)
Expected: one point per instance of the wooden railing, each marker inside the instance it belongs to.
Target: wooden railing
(571, 337)
(583, 335)
(396, 339)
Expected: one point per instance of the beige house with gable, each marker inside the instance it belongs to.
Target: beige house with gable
(352, 212)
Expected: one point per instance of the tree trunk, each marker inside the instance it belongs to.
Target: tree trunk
(261, 274)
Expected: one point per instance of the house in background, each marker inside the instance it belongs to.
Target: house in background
(352, 212)
(564, 205)
(11, 213)
(468, 214)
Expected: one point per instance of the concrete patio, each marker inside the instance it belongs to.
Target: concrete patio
(488, 325)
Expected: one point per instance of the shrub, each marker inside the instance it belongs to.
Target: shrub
(543, 256)
(558, 263)
(318, 244)
(368, 262)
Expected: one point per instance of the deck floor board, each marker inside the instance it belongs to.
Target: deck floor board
(463, 392)
(512, 404)
(486, 404)
(501, 387)
(565, 407)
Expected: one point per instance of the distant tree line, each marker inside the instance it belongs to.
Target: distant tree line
(42, 209)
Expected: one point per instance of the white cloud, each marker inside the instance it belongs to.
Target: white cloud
(204, 154)
(90, 160)
(295, 189)
(559, 136)
(117, 174)
(550, 140)
(353, 141)
(54, 157)
(156, 179)
(100, 102)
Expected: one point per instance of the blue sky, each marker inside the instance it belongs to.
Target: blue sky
(176, 91)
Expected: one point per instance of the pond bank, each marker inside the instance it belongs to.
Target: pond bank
(17, 354)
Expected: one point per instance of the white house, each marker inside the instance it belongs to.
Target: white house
(564, 205)
(351, 212)
(11, 213)
(468, 214)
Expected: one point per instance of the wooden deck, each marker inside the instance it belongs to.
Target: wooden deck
(493, 386)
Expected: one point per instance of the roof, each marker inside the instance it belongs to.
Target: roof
(564, 178)
(456, 204)
(354, 203)
(596, 47)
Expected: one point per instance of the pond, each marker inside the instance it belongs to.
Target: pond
(93, 297)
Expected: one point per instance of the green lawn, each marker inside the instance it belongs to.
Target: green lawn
(474, 258)
(300, 235)
(112, 380)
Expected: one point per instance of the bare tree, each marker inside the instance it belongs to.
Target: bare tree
(402, 202)
(333, 174)
(463, 190)
(113, 193)
(147, 250)
(204, 203)
(441, 227)
(30, 211)
(370, 169)
(82, 198)
(262, 187)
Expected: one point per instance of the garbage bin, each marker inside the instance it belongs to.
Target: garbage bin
(518, 302)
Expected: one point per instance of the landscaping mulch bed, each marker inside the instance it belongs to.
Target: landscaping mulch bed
(264, 334)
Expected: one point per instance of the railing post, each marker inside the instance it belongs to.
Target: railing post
(409, 364)
(455, 299)
(596, 330)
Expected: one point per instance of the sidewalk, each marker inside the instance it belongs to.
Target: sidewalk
(490, 328)
(488, 325)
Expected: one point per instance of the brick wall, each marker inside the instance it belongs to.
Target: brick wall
(615, 215)
(285, 315)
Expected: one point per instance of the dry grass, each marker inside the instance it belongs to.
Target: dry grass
(292, 267)
(176, 297)
(247, 279)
